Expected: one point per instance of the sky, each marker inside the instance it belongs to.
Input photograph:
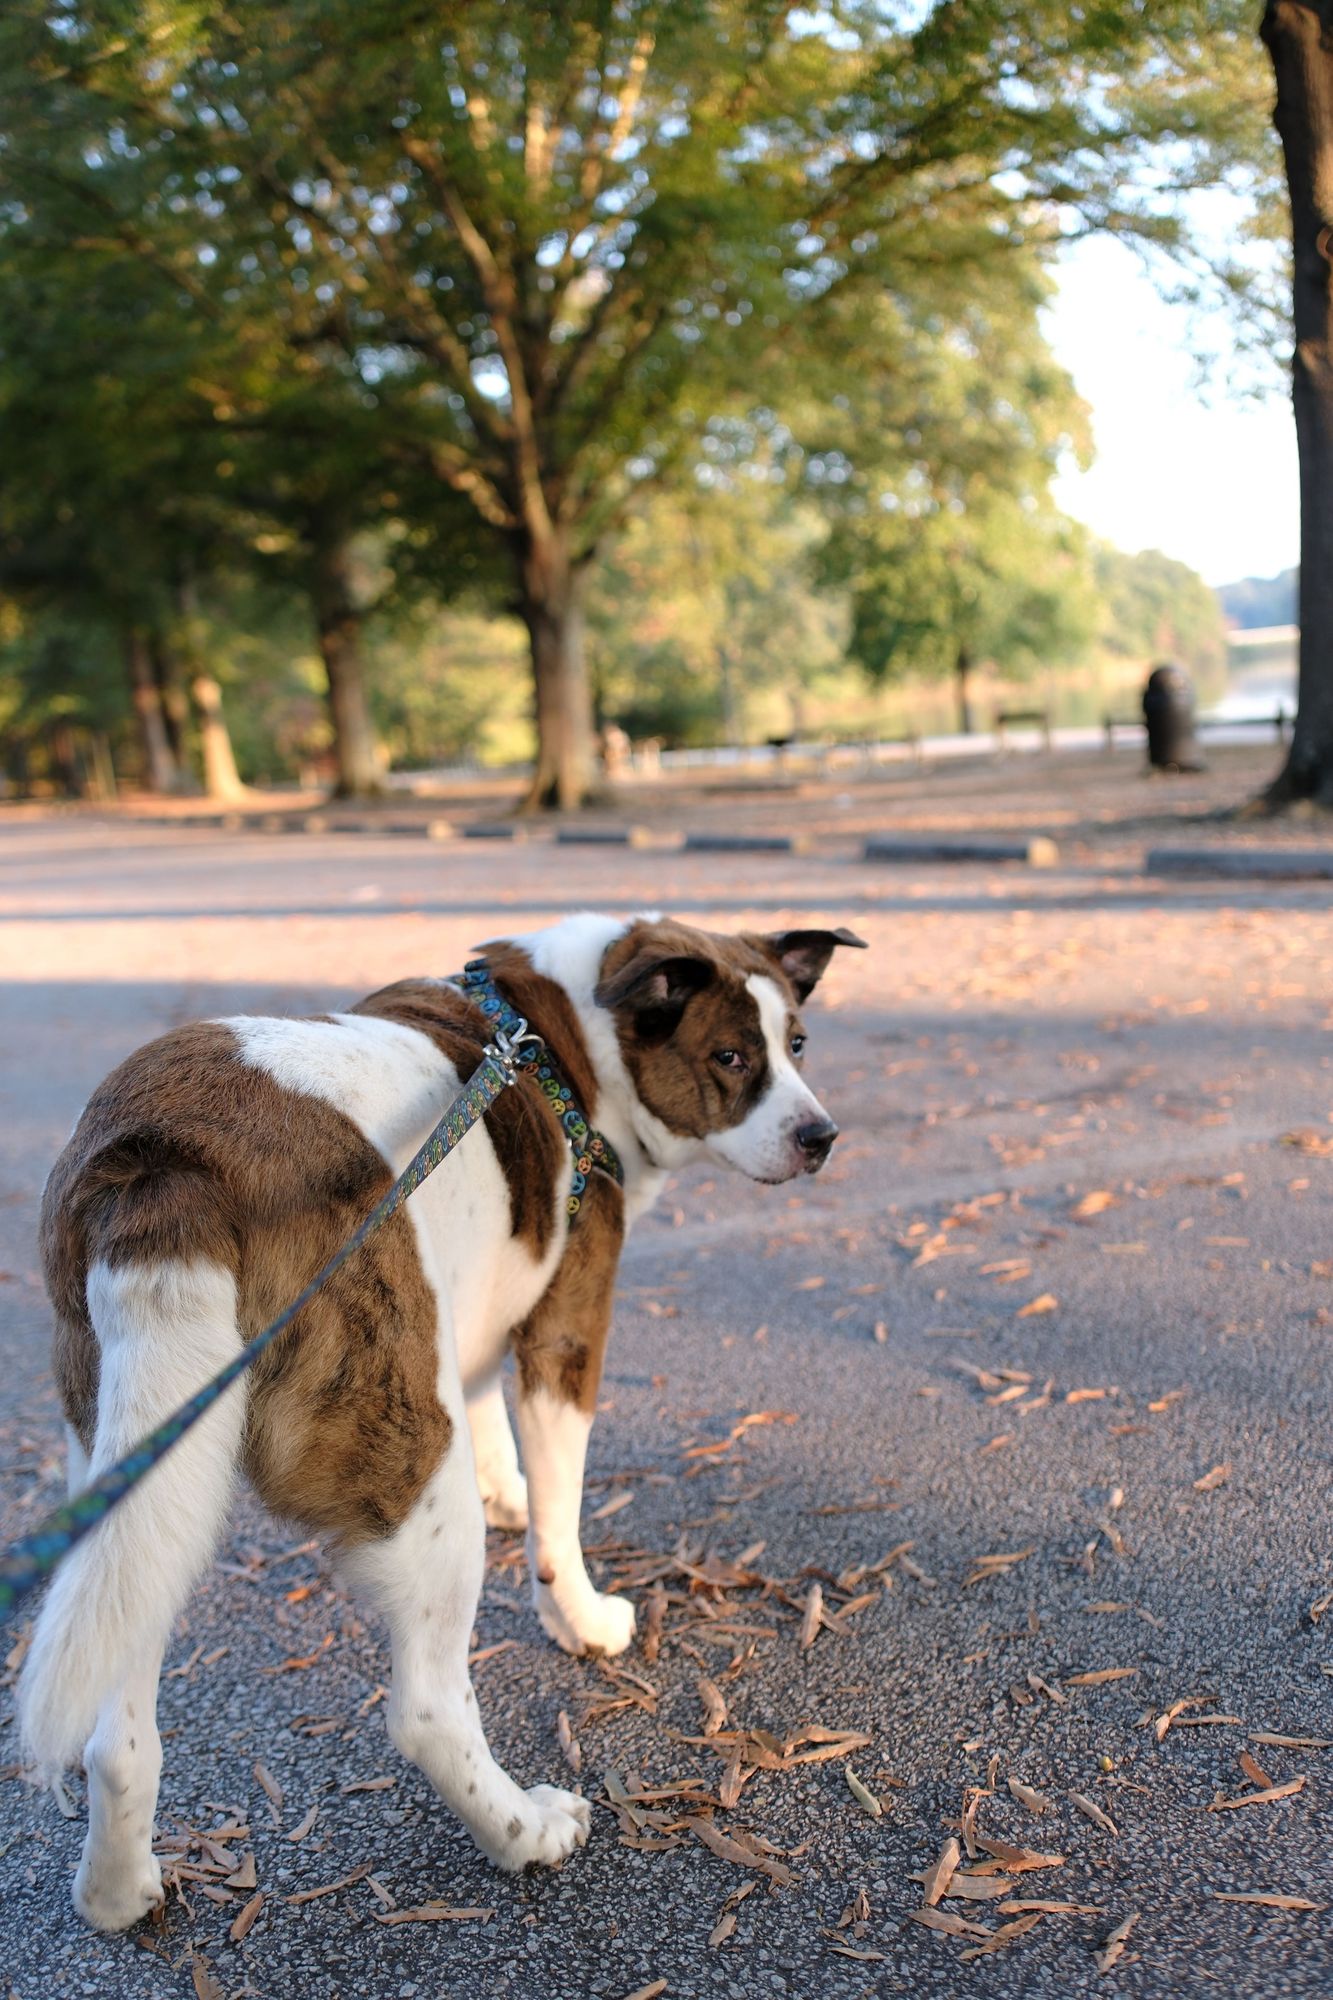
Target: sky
(1200, 474)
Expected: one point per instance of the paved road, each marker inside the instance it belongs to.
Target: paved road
(959, 1360)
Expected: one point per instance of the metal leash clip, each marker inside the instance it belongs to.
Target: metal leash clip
(515, 1051)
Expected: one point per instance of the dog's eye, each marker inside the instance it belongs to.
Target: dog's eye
(797, 1045)
(731, 1059)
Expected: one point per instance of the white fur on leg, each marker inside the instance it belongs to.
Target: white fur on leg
(504, 1490)
(555, 1446)
(426, 1578)
(120, 1878)
(162, 1330)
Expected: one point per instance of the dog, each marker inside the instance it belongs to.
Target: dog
(218, 1168)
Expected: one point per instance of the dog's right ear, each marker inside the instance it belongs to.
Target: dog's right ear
(652, 990)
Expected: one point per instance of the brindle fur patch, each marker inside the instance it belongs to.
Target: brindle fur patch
(188, 1152)
(561, 1344)
(667, 1047)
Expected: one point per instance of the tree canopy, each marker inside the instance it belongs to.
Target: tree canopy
(497, 272)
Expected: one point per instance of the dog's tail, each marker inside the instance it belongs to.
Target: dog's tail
(162, 1329)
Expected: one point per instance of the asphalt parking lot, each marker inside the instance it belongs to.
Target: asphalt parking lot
(1037, 1385)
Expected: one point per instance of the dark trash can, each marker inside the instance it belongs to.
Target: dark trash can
(1168, 711)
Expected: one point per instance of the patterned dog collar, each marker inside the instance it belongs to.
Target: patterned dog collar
(590, 1150)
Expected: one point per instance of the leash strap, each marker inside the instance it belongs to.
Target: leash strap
(36, 1555)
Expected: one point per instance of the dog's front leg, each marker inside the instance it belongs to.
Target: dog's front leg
(559, 1350)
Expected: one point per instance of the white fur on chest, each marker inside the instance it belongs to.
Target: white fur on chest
(393, 1084)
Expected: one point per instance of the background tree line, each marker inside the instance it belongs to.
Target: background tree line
(694, 348)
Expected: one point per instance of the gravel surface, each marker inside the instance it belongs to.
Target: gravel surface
(954, 1348)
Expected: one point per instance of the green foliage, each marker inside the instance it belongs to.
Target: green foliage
(706, 624)
(471, 284)
(1159, 609)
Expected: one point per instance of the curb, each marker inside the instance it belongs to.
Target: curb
(1243, 863)
(745, 843)
(1039, 852)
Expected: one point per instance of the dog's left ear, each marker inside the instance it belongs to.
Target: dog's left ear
(803, 955)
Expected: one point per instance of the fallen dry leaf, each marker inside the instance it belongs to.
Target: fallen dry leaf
(1261, 1798)
(1091, 1810)
(715, 1708)
(940, 1873)
(1212, 1480)
(864, 1797)
(1095, 1203)
(971, 1886)
(331, 1888)
(205, 1985)
(1025, 1795)
(813, 1617)
(1115, 1943)
(1015, 1908)
(946, 1921)
(245, 1918)
(300, 1831)
(728, 1849)
(271, 1789)
(434, 1913)
(1271, 1736)
(1018, 1860)
(722, 1929)
(1266, 1899)
(568, 1743)
(1254, 1771)
(1045, 1303)
(1100, 1677)
(1006, 1935)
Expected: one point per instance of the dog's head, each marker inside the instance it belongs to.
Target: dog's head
(711, 1034)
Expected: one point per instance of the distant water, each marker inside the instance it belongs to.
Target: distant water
(1261, 675)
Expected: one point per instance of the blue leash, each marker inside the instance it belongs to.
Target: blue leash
(512, 1048)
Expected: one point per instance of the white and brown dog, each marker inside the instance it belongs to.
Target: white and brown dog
(218, 1168)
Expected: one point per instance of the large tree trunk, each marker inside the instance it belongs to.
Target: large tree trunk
(339, 621)
(173, 698)
(550, 602)
(221, 778)
(962, 669)
(180, 657)
(161, 771)
(1299, 37)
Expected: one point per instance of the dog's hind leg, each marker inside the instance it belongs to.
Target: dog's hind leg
(426, 1579)
(120, 1878)
(504, 1491)
(91, 1674)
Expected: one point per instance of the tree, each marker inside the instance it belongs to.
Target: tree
(706, 604)
(574, 234)
(1298, 35)
(1159, 609)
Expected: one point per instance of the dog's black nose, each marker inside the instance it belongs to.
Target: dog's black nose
(816, 1138)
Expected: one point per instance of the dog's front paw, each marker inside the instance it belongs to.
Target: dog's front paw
(550, 1826)
(506, 1504)
(111, 1897)
(588, 1622)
